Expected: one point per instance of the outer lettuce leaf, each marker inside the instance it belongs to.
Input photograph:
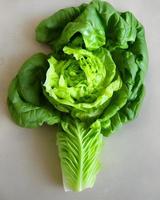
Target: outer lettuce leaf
(89, 25)
(30, 78)
(132, 65)
(115, 117)
(110, 117)
(51, 28)
(79, 146)
(26, 103)
(26, 114)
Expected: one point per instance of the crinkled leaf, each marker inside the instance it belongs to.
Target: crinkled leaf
(84, 84)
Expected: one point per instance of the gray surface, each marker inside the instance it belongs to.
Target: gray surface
(29, 165)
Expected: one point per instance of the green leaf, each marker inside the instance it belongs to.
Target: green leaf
(30, 78)
(111, 113)
(89, 25)
(79, 146)
(50, 29)
(26, 114)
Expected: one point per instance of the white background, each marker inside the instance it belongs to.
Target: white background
(29, 165)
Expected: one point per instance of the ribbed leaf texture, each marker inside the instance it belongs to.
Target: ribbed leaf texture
(79, 147)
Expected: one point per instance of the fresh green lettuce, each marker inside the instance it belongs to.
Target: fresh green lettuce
(90, 84)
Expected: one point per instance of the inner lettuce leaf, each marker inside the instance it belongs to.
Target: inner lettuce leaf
(81, 85)
(90, 84)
